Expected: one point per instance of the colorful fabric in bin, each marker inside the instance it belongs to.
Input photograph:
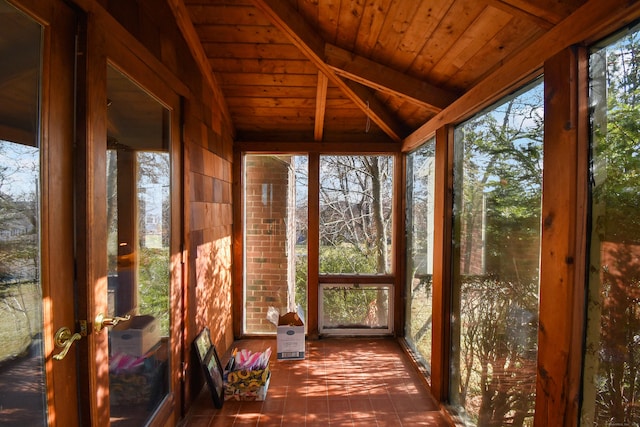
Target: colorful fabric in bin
(248, 375)
(247, 385)
(138, 385)
(136, 380)
(245, 378)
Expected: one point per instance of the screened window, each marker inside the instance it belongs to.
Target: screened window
(497, 204)
(22, 373)
(356, 308)
(356, 195)
(419, 268)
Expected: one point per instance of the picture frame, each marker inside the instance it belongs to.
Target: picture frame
(214, 374)
(202, 344)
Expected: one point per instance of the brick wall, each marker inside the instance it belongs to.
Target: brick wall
(508, 251)
(514, 254)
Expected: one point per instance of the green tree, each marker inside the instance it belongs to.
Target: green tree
(153, 284)
(497, 226)
(616, 226)
(355, 218)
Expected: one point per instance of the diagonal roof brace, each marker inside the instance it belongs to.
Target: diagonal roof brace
(287, 19)
(387, 80)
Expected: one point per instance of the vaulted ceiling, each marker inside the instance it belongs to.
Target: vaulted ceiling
(355, 70)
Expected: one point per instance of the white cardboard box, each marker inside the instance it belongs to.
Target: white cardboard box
(136, 336)
(290, 342)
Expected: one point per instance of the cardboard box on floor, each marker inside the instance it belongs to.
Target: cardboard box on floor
(290, 334)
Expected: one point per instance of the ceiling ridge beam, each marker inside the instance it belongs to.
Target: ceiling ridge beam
(550, 11)
(287, 19)
(341, 147)
(387, 80)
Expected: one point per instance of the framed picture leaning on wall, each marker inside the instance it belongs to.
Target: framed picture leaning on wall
(214, 375)
(202, 344)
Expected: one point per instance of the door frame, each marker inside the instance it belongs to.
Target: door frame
(123, 52)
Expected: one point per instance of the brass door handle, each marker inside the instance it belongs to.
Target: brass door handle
(102, 321)
(63, 339)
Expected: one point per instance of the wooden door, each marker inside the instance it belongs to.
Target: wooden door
(128, 241)
(38, 386)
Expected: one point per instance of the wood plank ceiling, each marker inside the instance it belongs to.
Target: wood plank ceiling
(354, 70)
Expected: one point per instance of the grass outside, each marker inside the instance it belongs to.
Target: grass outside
(21, 314)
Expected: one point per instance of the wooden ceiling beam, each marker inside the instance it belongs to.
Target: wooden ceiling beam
(387, 80)
(287, 19)
(305, 146)
(542, 11)
(190, 35)
(321, 105)
(518, 12)
(592, 20)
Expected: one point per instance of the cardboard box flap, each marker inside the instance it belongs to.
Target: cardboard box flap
(290, 319)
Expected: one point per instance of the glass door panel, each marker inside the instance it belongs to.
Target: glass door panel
(138, 224)
(356, 197)
(611, 388)
(22, 379)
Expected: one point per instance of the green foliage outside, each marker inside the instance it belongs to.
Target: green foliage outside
(613, 350)
(420, 168)
(498, 191)
(345, 257)
(348, 306)
(617, 144)
(21, 317)
(153, 286)
(344, 307)
(20, 288)
(301, 277)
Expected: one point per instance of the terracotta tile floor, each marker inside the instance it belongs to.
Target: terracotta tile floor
(342, 382)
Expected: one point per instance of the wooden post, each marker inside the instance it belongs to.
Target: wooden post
(442, 264)
(563, 244)
(313, 244)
